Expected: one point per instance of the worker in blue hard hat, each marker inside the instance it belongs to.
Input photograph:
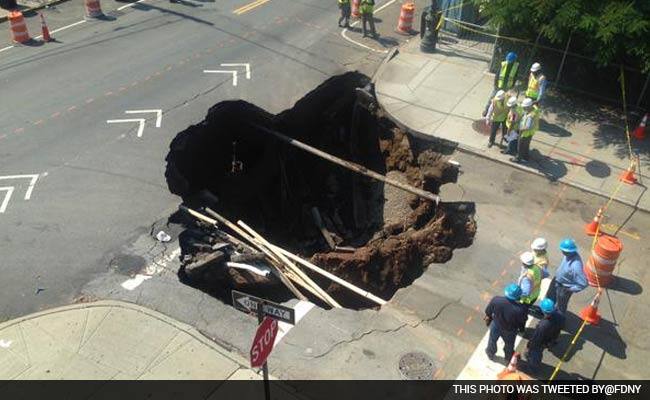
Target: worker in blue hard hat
(545, 335)
(505, 78)
(505, 315)
(569, 278)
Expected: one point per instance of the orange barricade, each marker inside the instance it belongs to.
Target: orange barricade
(406, 19)
(93, 9)
(602, 261)
(18, 27)
(355, 8)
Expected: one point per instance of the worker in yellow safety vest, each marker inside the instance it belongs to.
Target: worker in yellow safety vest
(512, 126)
(505, 78)
(344, 6)
(536, 83)
(530, 279)
(528, 125)
(497, 115)
(366, 8)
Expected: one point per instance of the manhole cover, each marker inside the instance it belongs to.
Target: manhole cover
(416, 366)
(480, 127)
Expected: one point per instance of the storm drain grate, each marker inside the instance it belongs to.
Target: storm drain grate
(416, 366)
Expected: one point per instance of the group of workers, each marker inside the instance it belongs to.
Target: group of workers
(507, 315)
(518, 121)
(366, 9)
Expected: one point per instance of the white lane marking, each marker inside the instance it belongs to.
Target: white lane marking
(359, 21)
(246, 65)
(68, 26)
(158, 115)
(5, 344)
(155, 267)
(140, 120)
(5, 202)
(479, 366)
(133, 283)
(234, 73)
(301, 309)
(129, 5)
(6, 48)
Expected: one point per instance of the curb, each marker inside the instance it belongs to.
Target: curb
(32, 9)
(193, 332)
(471, 150)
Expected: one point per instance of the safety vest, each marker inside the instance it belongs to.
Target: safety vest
(541, 260)
(513, 118)
(367, 6)
(533, 128)
(537, 115)
(499, 110)
(344, 1)
(533, 86)
(507, 82)
(534, 274)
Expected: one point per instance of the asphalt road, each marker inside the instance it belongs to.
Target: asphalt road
(100, 191)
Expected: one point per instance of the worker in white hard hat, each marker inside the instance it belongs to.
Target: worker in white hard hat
(512, 126)
(528, 125)
(536, 83)
(530, 279)
(497, 114)
(538, 247)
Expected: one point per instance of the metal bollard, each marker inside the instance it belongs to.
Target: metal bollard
(428, 24)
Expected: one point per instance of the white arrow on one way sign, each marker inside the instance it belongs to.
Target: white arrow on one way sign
(141, 121)
(234, 73)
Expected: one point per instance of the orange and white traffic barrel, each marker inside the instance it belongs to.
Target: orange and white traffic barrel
(18, 27)
(93, 9)
(405, 23)
(355, 8)
(602, 261)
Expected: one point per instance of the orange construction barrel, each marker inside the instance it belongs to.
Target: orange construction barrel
(602, 260)
(18, 27)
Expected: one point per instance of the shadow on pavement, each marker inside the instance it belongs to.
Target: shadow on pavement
(598, 169)
(387, 41)
(553, 129)
(148, 7)
(604, 336)
(553, 169)
(625, 285)
(460, 54)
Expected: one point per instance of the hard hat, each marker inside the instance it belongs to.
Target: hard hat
(547, 306)
(512, 101)
(500, 95)
(527, 258)
(567, 245)
(510, 57)
(513, 292)
(535, 67)
(528, 102)
(539, 244)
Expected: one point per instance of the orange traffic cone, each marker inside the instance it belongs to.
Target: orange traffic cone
(511, 368)
(46, 32)
(593, 227)
(639, 132)
(591, 313)
(628, 176)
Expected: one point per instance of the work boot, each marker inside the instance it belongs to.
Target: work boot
(489, 355)
(490, 144)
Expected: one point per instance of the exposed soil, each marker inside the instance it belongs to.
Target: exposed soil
(274, 187)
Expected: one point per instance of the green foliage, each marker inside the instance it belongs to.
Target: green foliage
(612, 31)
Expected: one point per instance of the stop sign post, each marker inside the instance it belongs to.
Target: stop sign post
(263, 344)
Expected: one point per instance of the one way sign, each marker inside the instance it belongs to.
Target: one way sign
(248, 303)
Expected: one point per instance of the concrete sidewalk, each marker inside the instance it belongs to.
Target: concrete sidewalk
(111, 340)
(28, 5)
(442, 95)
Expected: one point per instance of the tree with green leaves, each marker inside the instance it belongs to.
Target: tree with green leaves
(612, 31)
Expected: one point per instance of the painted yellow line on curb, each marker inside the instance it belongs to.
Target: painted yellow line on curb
(249, 6)
(614, 227)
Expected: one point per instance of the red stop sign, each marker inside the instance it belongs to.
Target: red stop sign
(263, 342)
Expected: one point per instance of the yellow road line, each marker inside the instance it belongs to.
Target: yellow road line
(249, 6)
(614, 227)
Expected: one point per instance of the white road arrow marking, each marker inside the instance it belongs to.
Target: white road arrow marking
(9, 190)
(233, 72)
(140, 120)
(158, 115)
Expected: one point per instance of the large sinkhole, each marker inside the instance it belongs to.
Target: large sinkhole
(373, 235)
